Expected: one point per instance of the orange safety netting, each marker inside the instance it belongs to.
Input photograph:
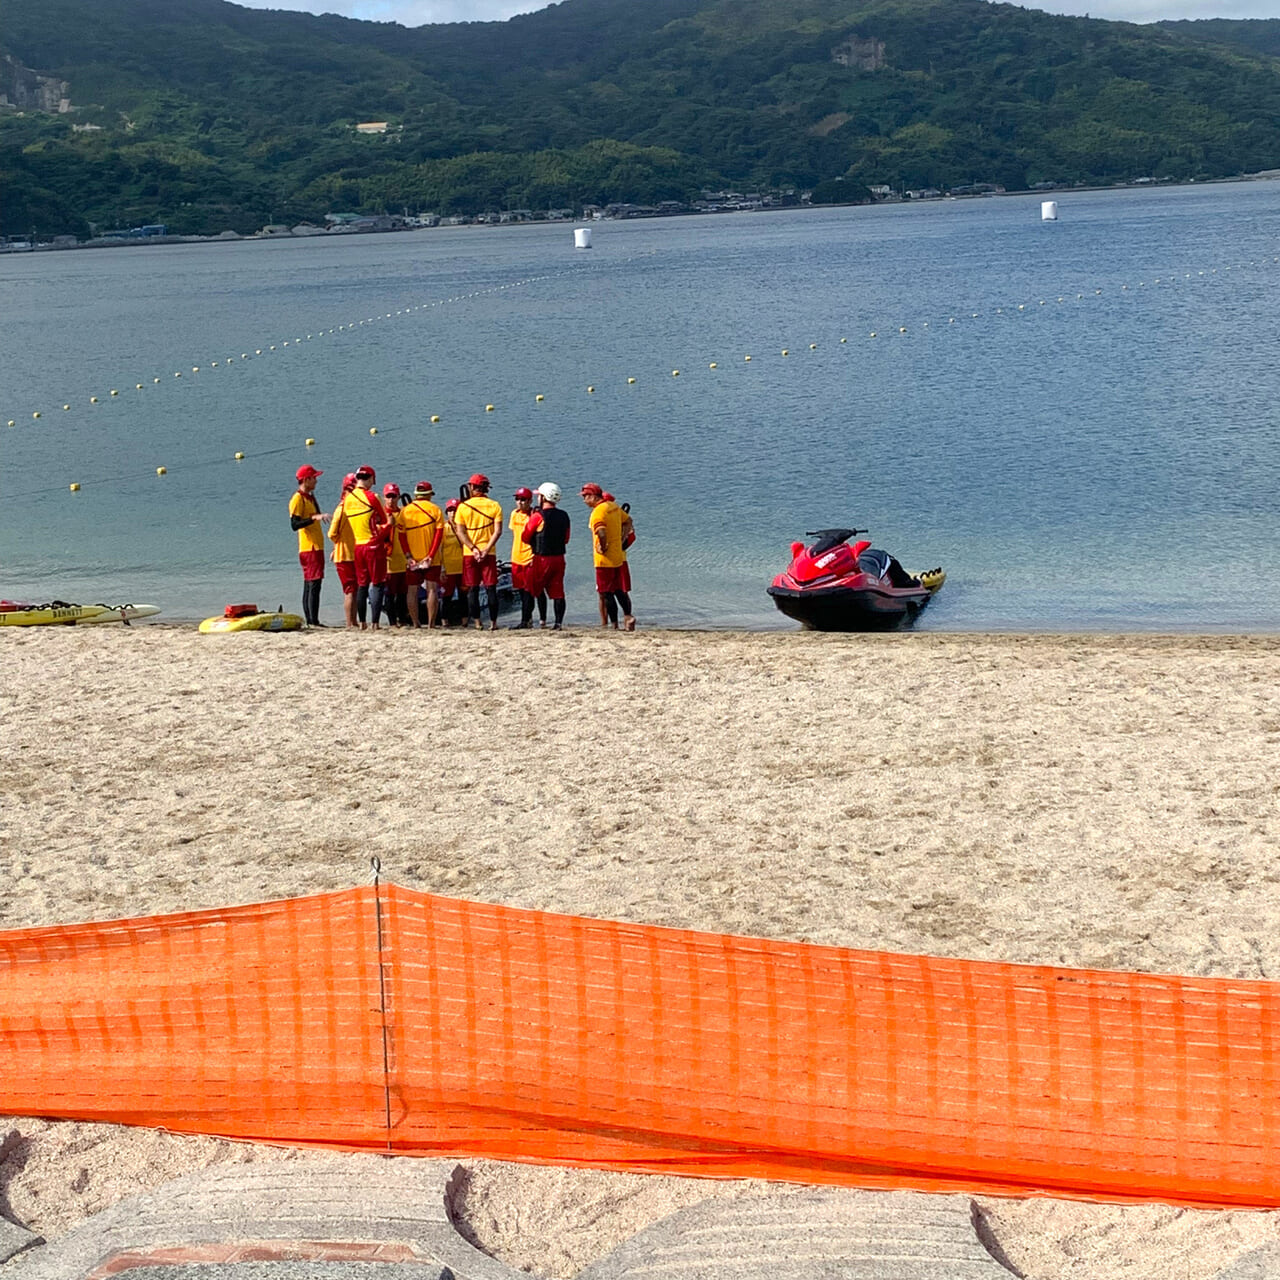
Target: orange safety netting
(385, 1019)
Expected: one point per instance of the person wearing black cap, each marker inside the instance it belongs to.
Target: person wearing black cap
(478, 522)
(307, 521)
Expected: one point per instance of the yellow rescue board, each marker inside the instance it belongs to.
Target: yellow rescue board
(254, 622)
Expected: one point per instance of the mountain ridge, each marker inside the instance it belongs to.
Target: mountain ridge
(206, 115)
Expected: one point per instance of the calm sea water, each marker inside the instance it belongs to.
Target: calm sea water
(1092, 444)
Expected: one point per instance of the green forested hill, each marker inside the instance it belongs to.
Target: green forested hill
(208, 116)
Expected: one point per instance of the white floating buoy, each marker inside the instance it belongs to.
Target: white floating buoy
(582, 237)
(1048, 211)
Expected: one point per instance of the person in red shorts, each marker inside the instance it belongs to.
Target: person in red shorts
(365, 515)
(547, 534)
(452, 558)
(613, 577)
(344, 553)
(521, 555)
(420, 527)
(478, 521)
(307, 521)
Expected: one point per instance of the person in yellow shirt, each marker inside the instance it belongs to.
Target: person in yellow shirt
(308, 521)
(522, 555)
(613, 575)
(420, 528)
(394, 600)
(478, 522)
(452, 558)
(366, 517)
(344, 553)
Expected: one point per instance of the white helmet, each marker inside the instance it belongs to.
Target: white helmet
(550, 491)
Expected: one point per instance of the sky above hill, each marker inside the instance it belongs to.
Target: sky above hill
(413, 13)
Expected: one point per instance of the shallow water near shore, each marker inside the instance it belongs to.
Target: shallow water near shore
(1078, 421)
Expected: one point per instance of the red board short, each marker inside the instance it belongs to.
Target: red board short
(475, 572)
(449, 583)
(546, 573)
(396, 584)
(418, 576)
(617, 579)
(520, 576)
(371, 564)
(312, 563)
(346, 571)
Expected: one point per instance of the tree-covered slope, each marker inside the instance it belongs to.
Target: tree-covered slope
(207, 115)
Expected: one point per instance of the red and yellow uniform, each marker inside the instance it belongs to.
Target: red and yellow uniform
(521, 551)
(451, 560)
(303, 506)
(365, 516)
(421, 526)
(479, 520)
(344, 550)
(610, 558)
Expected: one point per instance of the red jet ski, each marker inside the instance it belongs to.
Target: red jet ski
(832, 586)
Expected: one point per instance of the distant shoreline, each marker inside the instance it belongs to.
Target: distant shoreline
(231, 237)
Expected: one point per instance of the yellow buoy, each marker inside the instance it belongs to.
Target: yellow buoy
(813, 346)
(310, 442)
(902, 328)
(435, 417)
(195, 368)
(1022, 306)
(538, 397)
(713, 365)
(257, 351)
(590, 390)
(12, 423)
(155, 379)
(177, 375)
(66, 406)
(844, 339)
(162, 471)
(138, 385)
(785, 352)
(75, 488)
(675, 373)
(631, 382)
(239, 457)
(873, 333)
(213, 364)
(488, 408)
(115, 393)
(373, 431)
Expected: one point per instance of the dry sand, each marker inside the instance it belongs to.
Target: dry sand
(1100, 801)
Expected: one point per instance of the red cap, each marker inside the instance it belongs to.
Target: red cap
(424, 486)
(349, 480)
(451, 505)
(608, 497)
(308, 472)
(389, 488)
(366, 470)
(479, 481)
(593, 488)
(522, 492)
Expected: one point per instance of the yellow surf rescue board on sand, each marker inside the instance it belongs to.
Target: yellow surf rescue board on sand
(253, 622)
(58, 614)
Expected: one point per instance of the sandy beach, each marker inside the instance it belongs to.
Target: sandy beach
(1100, 801)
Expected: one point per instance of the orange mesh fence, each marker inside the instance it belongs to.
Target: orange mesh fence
(384, 1019)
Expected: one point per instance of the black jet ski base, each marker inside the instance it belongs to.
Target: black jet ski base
(842, 609)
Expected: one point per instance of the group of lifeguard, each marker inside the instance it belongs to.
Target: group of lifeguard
(395, 551)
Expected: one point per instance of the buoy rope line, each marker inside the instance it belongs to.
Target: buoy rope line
(1014, 311)
(282, 345)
